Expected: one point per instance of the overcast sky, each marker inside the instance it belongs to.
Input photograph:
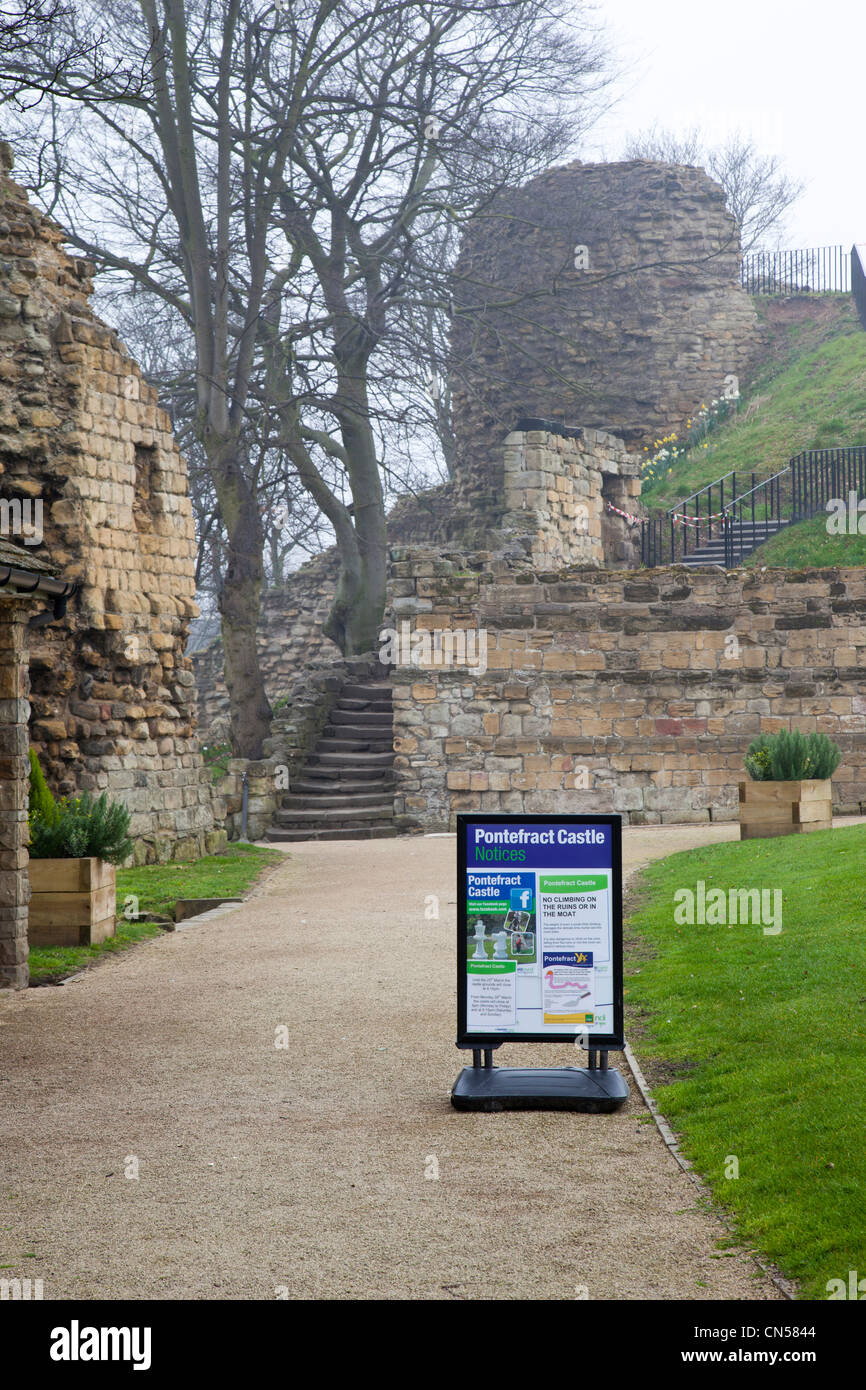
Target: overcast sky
(792, 74)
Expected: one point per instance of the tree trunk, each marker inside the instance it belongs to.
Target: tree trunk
(239, 600)
(355, 619)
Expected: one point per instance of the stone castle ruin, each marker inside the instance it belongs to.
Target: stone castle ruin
(603, 299)
(91, 471)
(596, 309)
(605, 295)
(560, 374)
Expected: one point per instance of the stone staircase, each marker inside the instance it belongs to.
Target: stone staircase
(713, 552)
(345, 789)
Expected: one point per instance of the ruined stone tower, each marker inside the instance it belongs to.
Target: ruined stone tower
(89, 457)
(600, 295)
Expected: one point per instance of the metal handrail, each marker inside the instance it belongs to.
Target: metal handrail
(735, 501)
(814, 475)
(691, 497)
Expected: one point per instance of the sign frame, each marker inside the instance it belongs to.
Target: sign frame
(596, 1042)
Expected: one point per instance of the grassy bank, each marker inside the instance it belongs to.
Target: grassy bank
(756, 1043)
(809, 393)
(157, 888)
(808, 544)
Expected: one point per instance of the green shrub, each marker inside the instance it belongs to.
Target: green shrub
(215, 757)
(792, 757)
(758, 762)
(42, 803)
(82, 828)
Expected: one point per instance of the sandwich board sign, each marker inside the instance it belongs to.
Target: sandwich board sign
(539, 956)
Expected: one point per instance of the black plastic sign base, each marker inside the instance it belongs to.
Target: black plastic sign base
(540, 1088)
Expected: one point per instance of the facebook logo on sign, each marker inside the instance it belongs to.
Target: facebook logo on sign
(521, 899)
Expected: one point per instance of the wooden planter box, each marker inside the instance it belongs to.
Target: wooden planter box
(785, 808)
(73, 902)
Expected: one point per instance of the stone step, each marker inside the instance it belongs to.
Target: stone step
(748, 534)
(377, 732)
(331, 779)
(366, 692)
(336, 815)
(349, 761)
(377, 719)
(759, 522)
(324, 772)
(366, 832)
(746, 543)
(308, 801)
(364, 733)
(333, 741)
(383, 707)
(715, 557)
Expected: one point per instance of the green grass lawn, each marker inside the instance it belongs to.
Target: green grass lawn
(225, 875)
(157, 887)
(810, 393)
(765, 1037)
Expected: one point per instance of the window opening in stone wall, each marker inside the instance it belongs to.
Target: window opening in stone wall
(144, 503)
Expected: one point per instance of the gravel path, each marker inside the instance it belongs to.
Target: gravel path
(303, 1168)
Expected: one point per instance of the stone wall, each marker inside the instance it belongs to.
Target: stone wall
(14, 790)
(633, 343)
(635, 693)
(557, 484)
(556, 487)
(83, 438)
(290, 639)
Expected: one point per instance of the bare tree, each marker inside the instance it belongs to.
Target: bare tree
(448, 109)
(23, 22)
(66, 57)
(160, 343)
(758, 192)
(276, 185)
(667, 146)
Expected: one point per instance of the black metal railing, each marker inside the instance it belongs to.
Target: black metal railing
(692, 524)
(755, 516)
(858, 280)
(817, 270)
(738, 522)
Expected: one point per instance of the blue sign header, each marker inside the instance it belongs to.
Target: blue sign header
(539, 845)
